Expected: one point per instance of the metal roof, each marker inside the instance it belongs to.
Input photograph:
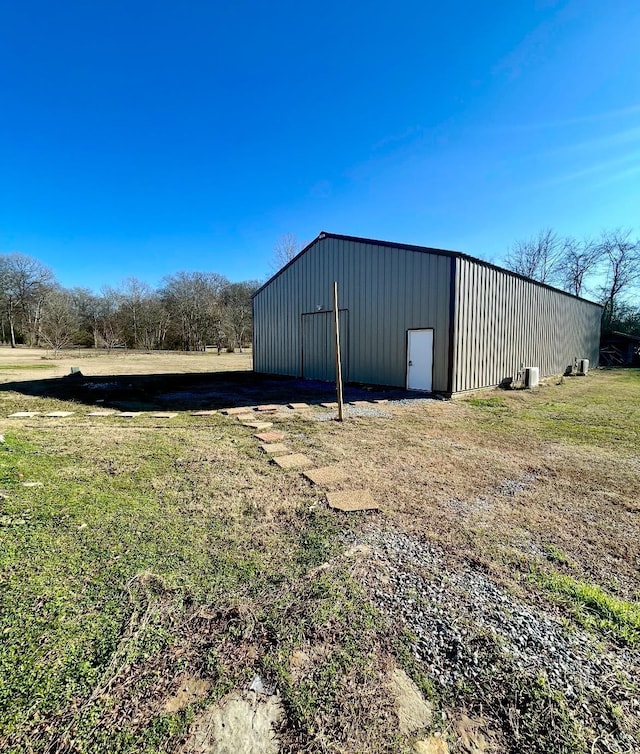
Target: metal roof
(422, 250)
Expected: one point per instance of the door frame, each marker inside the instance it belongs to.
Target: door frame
(406, 357)
(343, 316)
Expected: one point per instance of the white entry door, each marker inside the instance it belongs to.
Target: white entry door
(419, 359)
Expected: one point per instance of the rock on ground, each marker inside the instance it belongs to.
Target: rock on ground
(414, 713)
(241, 723)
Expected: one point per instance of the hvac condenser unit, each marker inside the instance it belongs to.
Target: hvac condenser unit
(531, 377)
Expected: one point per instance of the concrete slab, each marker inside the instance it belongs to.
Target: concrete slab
(237, 410)
(268, 407)
(293, 461)
(299, 406)
(331, 404)
(101, 413)
(163, 416)
(352, 500)
(210, 412)
(246, 417)
(275, 448)
(60, 414)
(258, 425)
(326, 475)
(131, 414)
(381, 401)
(270, 436)
(360, 403)
(24, 414)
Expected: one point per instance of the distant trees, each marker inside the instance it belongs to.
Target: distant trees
(537, 257)
(188, 311)
(24, 284)
(284, 250)
(606, 268)
(60, 321)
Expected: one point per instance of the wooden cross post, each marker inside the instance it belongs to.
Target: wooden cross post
(336, 320)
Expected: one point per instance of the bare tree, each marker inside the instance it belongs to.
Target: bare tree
(622, 258)
(24, 283)
(59, 321)
(193, 302)
(236, 302)
(133, 295)
(108, 324)
(536, 258)
(284, 250)
(577, 260)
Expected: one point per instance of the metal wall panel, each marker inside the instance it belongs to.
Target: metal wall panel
(318, 346)
(387, 290)
(503, 322)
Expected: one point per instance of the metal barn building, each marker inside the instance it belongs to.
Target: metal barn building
(415, 317)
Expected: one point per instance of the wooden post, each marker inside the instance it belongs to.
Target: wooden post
(336, 320)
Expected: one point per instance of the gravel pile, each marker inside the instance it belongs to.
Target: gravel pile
(352, 411)
(456, 617)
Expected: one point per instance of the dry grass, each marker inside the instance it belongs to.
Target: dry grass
(159, 548)
(496, 482)
(20, 363)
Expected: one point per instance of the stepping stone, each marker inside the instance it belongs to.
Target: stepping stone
(270, 436)
(60, 414)
(326, 475)
(203, 413)
(101, 413)
(163, 416)
(381, 400)
(299, 406)
(32, 484)
(258, 425)
(236, 411)
(24, 414)
(352, 500)
(275, 448)
(244, 417)
(131, 414)
(333, 404)
(293, 461)
(360, 403)
(266, 407)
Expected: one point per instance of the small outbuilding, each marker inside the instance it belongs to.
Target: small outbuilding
(415, 317)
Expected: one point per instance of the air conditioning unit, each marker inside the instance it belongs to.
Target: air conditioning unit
(531, 377)
(583, 367)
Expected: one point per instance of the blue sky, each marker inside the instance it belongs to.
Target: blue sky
(142, 138)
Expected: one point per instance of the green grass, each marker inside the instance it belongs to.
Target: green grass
(600, 409)
(132, 532)
(594, 608)
(153, 551)
(26, 366)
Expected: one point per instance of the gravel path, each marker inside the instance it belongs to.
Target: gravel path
(470, 633)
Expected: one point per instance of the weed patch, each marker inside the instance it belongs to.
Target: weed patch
(593, 607)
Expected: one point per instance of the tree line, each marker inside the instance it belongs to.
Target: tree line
(191, 310)
(605, 269)
(187, 311)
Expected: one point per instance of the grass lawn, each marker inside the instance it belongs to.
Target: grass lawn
(154, 554)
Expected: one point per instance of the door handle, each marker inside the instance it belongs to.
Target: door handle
(411, 363)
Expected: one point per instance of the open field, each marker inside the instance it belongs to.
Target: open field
(19, 363)
(160, 564)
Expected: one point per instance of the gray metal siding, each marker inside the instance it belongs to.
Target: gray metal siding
(318, 346)
(386, 290)
(503, 322)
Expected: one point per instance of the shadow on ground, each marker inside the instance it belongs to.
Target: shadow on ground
(193, 391)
